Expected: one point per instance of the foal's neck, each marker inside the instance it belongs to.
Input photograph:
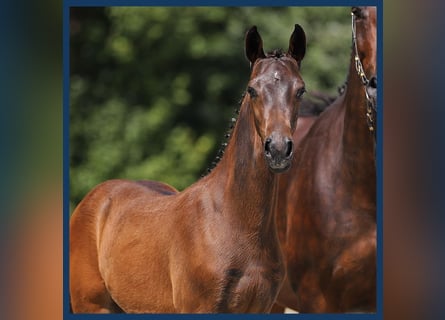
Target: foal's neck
(248, 186)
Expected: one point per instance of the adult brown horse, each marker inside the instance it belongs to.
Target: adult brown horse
(329, 195)
(310, 109)
(143, 247)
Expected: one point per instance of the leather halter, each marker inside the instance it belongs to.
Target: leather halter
(371, 108)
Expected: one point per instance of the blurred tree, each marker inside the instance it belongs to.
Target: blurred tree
(152, 88)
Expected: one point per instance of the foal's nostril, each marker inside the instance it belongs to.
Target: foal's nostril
(267, 145)
(289, 147)
(373, 82)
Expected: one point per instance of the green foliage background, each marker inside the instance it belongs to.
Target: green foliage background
(152, 88)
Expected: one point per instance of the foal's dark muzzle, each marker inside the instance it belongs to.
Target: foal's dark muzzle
(278, 152)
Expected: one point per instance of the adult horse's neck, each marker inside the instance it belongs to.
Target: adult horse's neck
(248, 186)
(358, 143)
(356, 136)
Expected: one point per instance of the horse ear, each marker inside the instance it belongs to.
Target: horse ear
(254, 45)
(297, 44)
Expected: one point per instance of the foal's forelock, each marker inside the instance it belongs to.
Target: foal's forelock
(276, 53)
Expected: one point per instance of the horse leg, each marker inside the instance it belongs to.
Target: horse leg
(87, 288)
(286, 297)
(311, 298)
(88, 292)
(276, 308)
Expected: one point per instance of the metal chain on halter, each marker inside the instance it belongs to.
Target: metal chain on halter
(361, 73)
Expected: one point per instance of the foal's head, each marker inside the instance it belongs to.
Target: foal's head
(273, 94)
(364, 20)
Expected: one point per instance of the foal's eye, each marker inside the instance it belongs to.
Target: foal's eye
(300, 92)
(357, 12)
(252, 92)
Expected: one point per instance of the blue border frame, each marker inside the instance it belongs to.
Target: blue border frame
(219, 3)
(67, 4)
(379, 158)
(66, 157)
